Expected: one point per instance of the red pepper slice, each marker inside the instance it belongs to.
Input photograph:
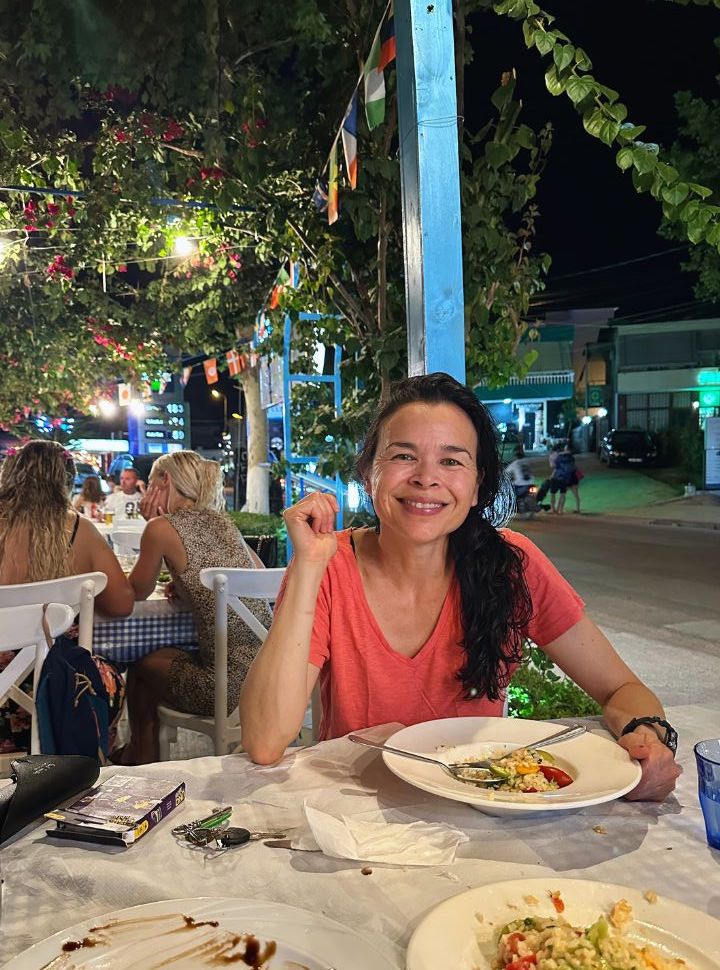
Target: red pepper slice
(512, 941)
(552, 773)
(523, 963)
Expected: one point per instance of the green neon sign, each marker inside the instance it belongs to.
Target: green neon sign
(709, 376)
(709, 398)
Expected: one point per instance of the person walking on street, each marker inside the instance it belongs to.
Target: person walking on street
(545, 487)
(563, 476)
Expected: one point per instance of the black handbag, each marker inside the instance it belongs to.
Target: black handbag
(41, 783)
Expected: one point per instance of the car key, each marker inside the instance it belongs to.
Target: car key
(228, 837)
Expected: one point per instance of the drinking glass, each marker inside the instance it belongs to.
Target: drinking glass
(109, 517)
(707, 755)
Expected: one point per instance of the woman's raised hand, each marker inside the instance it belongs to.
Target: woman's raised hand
(154, 501)
(311, 527)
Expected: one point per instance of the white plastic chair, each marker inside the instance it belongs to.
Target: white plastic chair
(228, 585)
(21, 629)
(126, 542)
(79, 592)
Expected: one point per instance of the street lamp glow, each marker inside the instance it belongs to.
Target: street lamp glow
(602, 412)
(107, 408)
(586, 419)
(696, 405)
(507, 400)
(183, 246)
(137, 408)
(216, 394)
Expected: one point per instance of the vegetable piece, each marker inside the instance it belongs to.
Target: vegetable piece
(562, 778)
(598, 931)
(499, 771)
(557, 900)
(523, 963)
(546, 756)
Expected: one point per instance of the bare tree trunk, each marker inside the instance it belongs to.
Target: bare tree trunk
(258, 474)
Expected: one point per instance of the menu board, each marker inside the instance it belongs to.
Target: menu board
(712, 453)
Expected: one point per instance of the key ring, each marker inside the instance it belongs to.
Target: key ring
(219, 816)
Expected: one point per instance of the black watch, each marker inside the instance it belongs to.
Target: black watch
(671, 737)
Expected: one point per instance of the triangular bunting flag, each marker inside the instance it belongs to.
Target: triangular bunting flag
(388, 47)
(186, 372)
(320, 195)
(281, 281)
(374, 85)
(211, 373)
(349, 140)
(332, 206)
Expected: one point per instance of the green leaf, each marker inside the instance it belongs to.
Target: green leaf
(702, 190)
(629, 132)
(596, 123)
(553, 82)
(563, 56)
(624, 158)
(582, 60)
(677, 193)
(578, 88)
(543, 41)
(643, 160)
(496, 154)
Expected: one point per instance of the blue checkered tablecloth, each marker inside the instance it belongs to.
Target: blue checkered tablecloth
(152, 624)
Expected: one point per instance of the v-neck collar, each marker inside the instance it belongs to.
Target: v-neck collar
(440, 624)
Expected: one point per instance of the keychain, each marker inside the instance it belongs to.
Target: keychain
(219, 816)
(227, 838)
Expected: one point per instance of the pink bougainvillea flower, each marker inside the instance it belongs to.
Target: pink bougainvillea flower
(53, 208)
(122, 268)
(232, 274)
(245, 127)
(252, 143)
(173, 131)
(261, 123)
(122, 136)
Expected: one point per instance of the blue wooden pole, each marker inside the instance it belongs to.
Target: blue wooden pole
(430, 174)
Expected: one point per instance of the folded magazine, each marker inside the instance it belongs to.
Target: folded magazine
(119, 811)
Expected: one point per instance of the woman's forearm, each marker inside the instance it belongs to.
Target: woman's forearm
(631, 700)
(274, 695)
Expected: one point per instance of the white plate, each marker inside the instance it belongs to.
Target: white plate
(304, 940)
(452, 935)
(601, 769)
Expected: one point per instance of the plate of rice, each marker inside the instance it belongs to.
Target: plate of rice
(571, 775)
(547, 923)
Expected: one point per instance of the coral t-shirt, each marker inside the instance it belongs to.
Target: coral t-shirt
(364, 682)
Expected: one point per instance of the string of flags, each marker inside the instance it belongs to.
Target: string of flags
(382, 53)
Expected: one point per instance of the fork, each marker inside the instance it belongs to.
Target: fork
(453, 770)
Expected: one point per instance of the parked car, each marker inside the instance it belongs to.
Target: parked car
(82, 471)
(628, 446)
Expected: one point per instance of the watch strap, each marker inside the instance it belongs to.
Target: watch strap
(671, 737)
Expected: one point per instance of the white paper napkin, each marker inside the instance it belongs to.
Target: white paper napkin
(388, 836)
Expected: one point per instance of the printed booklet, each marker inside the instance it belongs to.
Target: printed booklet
(119, 811)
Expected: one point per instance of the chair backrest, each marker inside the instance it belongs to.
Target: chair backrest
(21, 629)
(229, 585)
(126, 541)
(21, 626)
(78, 592)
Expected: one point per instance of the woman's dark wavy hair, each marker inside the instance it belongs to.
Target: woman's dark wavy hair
(496, 601)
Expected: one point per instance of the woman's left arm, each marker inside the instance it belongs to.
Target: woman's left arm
(146, 570)
(586, 655)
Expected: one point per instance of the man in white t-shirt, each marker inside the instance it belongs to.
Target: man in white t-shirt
(520, 473)
(126, 501)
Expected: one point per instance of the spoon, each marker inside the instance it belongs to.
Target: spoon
(452, 770)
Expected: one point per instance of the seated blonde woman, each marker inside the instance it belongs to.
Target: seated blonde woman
(189, 529)
(42, 537)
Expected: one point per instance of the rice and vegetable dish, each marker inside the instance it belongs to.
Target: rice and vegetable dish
(536, 943)
(521, 771)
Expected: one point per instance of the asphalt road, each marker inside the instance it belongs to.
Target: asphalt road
(654, 590)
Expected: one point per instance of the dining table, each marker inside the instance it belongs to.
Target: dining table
(662, 847)
(155, 622)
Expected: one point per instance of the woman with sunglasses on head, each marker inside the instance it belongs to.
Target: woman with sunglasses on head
(425, 617)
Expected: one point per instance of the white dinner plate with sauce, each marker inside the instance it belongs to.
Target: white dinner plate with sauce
(601, 770)
(163, 934)
(463, 932)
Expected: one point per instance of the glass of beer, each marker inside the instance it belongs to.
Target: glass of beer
(109, 517)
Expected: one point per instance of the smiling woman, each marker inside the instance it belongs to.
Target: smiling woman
(425, 616)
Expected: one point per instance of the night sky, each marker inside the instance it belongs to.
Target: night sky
(591, 214)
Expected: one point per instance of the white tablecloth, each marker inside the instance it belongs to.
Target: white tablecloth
(51, 885)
